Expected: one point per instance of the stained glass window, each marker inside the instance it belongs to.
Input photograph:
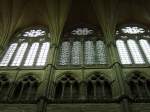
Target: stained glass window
(65, 53)
(133, 45)
(146, 48)
(8, 55)
(135, 52)
(132, 30)
(19, 56)
(123, 52)
(34, 33)
(28, 51)
(82, 31)
(89, 52)
(43, 54)
(31, 55)
(82, 47)
(76, 53)
(100, 52)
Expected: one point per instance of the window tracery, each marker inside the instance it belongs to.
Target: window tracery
(98, 87)
(31, 55)
(139, 86)
(34, 33)
(26, 89)
(82, 31)
(132, 44)
(8, 55)
(76, 53)
(27, 51)
(133, 30)
(82, 46)
(67, 88)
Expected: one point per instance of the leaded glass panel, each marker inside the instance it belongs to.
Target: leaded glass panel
(20, 54)
(89, 52)
(8, 55)
(65, 53)
(31, 55)
(43, 54)
(135, 52)
(146, 48)
(123, 52)
(76, 53)
(100, 52)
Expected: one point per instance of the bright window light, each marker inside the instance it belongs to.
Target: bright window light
(34, 33)
(31, 55)
(8, 55)
(123, 52)
(146, 48)
(43, 54)
(133, 30)
(19, 56)
(135, 52)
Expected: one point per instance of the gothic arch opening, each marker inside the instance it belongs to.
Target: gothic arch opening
(26, 89)
(67, 88)
(139, 86)
(98, 87)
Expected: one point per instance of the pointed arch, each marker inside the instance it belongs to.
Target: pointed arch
(139, 85)
(26, 89)
(67, 88)
(98, 87)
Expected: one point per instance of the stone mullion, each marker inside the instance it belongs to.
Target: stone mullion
(63, 89)
(71, 90)
(103, 89)
(94, 88)
(82, 90)
(138, 89)
(29, 91)
(21, 91)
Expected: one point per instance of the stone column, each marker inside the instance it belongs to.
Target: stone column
(117, 68)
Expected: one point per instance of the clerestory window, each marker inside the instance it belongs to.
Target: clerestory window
(133, 45)
(82, 45)
(30, 48)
